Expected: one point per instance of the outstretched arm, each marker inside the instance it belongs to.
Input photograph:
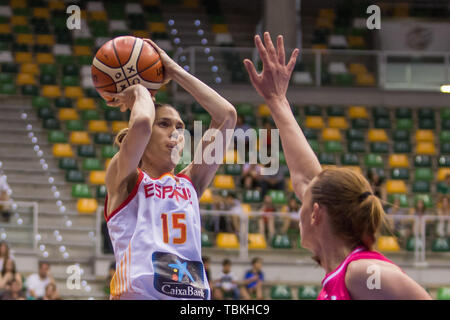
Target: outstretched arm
(223, 117)
(272, 84)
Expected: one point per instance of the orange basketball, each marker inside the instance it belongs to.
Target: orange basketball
(125, 61)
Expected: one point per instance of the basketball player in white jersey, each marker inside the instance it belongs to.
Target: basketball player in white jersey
(153, 215)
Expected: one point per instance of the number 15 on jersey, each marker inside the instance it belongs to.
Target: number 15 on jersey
(177, 223)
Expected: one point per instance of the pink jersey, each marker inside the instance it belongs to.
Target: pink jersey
(333, 285)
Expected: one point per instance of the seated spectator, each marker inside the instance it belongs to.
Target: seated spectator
(4, 252)
(226, 287)
(396, 226)
(266, 222)
(37, 282)
(419, 211)
(289, 217)
(13, 291)
(240, 124)
(253, 281)
(443, 226)
(273, 181)
(377, 184)
(9, 273)
(233, 204)
(5, 208)
(251, 176)
(51, 293)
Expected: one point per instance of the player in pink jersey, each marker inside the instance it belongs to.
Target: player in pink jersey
(152, 215)
(340, 215)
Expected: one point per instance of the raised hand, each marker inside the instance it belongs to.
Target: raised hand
(168, 63)
(126, 99)
(273, 81)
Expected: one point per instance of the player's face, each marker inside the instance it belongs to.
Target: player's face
(167, 135)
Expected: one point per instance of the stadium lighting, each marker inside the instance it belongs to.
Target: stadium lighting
(445, 88)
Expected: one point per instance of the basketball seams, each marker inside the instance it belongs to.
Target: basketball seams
(121, 67)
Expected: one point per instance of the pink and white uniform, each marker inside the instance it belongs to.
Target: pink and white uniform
(333, 285)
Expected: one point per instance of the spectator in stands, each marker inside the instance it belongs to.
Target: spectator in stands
(377, 184)
(289, 217)
(443, 226)
(266, 221)
(51, 293)
(396, 226)
(226, 287)
(37, 282)
(253, 281)
(273, 181)
(5, 208)
(14, 291)
(233, 204)
(9, 273)
(206, 263)
(251, 176)
(419, 211)
(4, 253)
(267, 125)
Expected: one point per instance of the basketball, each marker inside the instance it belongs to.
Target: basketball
(125, 61)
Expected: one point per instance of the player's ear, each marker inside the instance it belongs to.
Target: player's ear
(317, 214)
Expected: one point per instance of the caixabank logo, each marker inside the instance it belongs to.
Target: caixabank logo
(177, 277)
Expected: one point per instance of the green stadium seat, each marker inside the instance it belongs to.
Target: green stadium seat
(63, 102)
(355, 134)
(109, 151)
(404, 124)
(74, 176)
(423, 174)
(90, 164)
(280, 292)
(428, 201)
(91, 93)
(233, 169)
(101, 191)
(444, 136)
(103, 138)
(444, 161)
(252, 196)
(162, 97)
(443, 293)
(45, 113)
(245, 109)
(10, 67)
(445, 124)
(51, 124)
(421, 187)
(442, 188)
(313, 110)
(360, 123)
(113, 115)
(49, 69)
(69, 81)
(281, 241)
(403, 113)
(81, 191)
(445, 113)
(40, 102)
(422, 161)
(343, 79)
(380, 112)
(90, 115)
(327, 158)
(440, 244)
(75, 125)
(308, 292)
(379, 147)
(400, 135)
(333, 146)
(402, 147)
(86, 151)
(314, 145)
(382, 123)
(206, 241)
(6, 78)
(404, 203)
(400, 174)
(57, 136)
(278, 196)
(335, 111)
(349, 159)
(373, 160)
(357, 146)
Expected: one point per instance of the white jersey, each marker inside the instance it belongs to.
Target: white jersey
(156, 236)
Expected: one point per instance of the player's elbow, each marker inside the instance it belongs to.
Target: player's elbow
(231, 116)
(143, 125)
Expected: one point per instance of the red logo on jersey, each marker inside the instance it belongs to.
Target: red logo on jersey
(164, 192)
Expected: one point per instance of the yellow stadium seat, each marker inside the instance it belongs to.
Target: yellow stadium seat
(331, 134)
(378, 135)
(327, 13)
(79, 137)
(357, 112)
(85, 104)
(256, 241)
(424, 135)
(442, 173)
(337, 122)
(98, 126)
(220, 28)
(119, 125)
(158, 27)
(97, 177)
(18, 4)
(354, 168)
(45, 58)
(365, 79)
(82, 51)
(18, 21)
(51, 91)
(324, 23)
(190, 3)
(87, 206)
(396, 186)
(141, 34)
(356, 68)
(231, 156)
(5, 28)
(388, 243)
(223, 181)
(31, 68)
(319, 46)
(425, 148)
(356, 41)
(246, 208)
(65, 114)
(207, 196)
(56, 5)
(24, 38)
(41, 13)
(290, 185)
(45, 39)
(398, 161)
(107, 162)
(263, 110)
(62, 150)
(314, 122)
(73, 92)
(98, 15)
(23, 57)
(227, 240)
(25, 78)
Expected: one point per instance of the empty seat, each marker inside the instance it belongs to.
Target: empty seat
(101, 191)
(330, 134)
(51, 124)
(421, 187)
(426, 198)
(263, 110)
(81, 191)
(98, 126)
(402, 147)
(388, 244)
(400, 135)
(278, 196)
(424, 136)
(74, 176)
(223, 182)
(379, 147)
(313, 110)
(87, 206)
(308, 292)
(207, 197)
(337, 122)
(57, 136)
(280, 292)
(425, 148)
(87, 151)
(256, 241)
(65, 114)
(227, 240)
(423, 174)
(79, 137)
(355, 134)
(422, 160)
(62, 150)
(442, 173)
(444, 161)
(400, 174)
(119, 125)
(444, 136)
(97, 177)
(398, 161)
(360, 123)
(396, 186)
(333, 146)
(440, 244)
(404, 124)
(350, 159)
(75, 125)
(427, 124)
(403, 113)
(403, 199)
(335, 111)
(373, 160)
(90, 164)
(281, 241)
(356, 146)
(73, 92)
(108, 151)
(85, 103)
(327, 158)
(90, 115)
(314, 122)
(68, 164)
(252, 196)
(377, 135)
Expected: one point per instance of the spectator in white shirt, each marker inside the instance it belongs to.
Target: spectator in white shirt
(226, 286)
(37, 282)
